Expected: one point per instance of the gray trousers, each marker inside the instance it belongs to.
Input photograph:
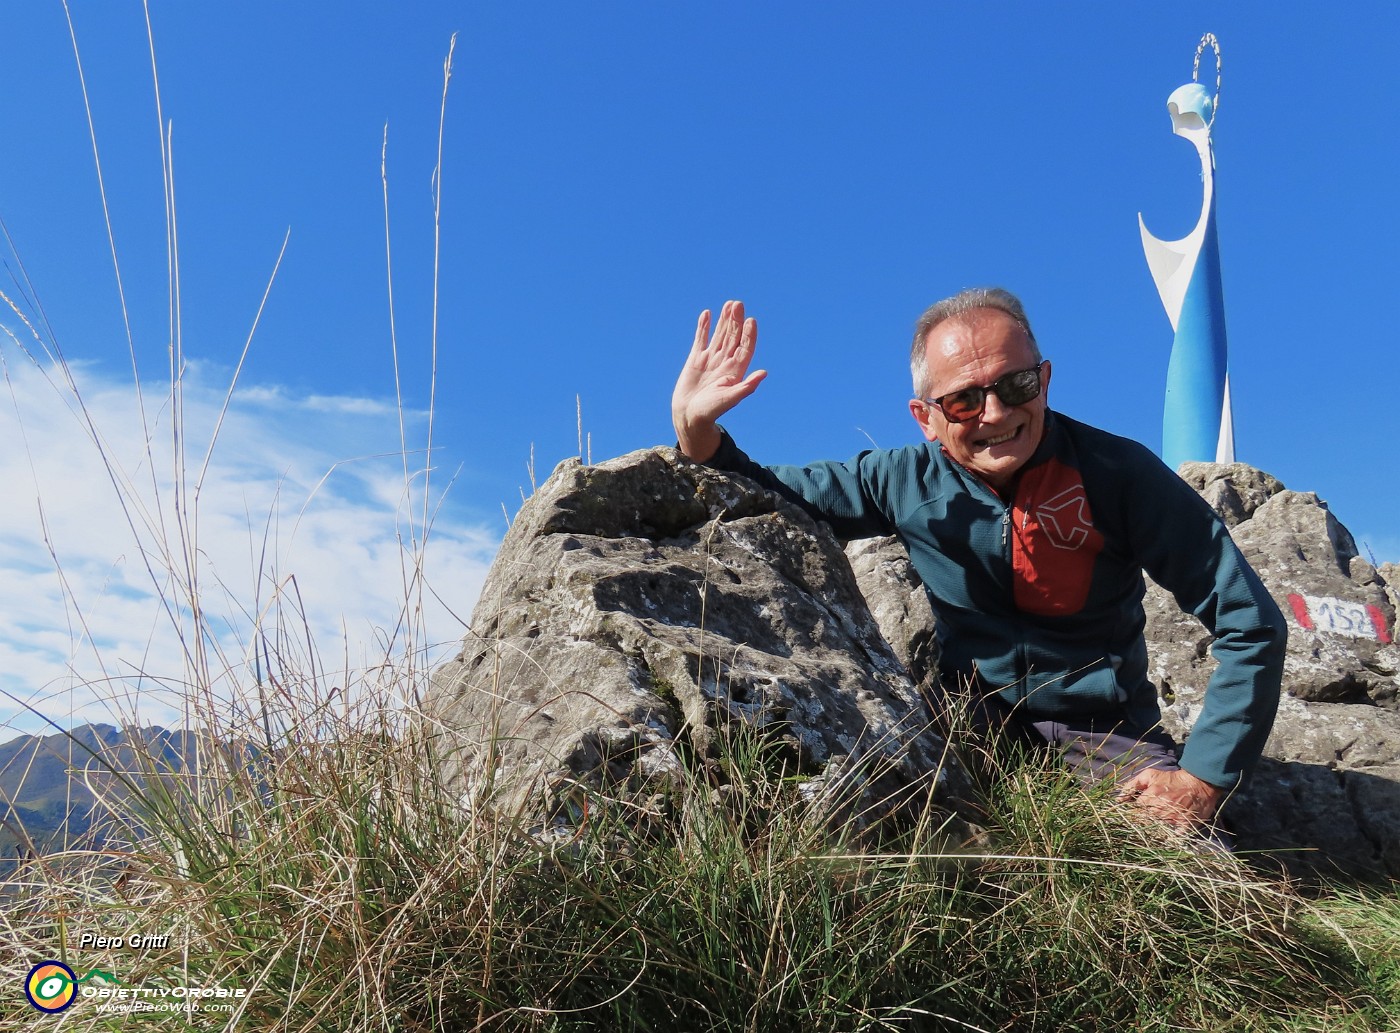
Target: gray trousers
(1094, 748)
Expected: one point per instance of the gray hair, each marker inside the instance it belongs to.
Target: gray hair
(959, 306)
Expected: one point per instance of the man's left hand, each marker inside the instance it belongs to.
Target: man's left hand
(1174, 796)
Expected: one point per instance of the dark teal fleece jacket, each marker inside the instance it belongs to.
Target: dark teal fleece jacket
(1039, 597)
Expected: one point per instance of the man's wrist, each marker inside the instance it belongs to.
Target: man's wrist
(699, 443)
(1214, 781)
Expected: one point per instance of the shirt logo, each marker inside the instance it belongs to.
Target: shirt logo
(1065, 518)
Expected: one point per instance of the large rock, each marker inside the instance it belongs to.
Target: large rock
(897, 599)
(1233, 490)
(641, 608)
(1390, 574)
(1328, 790)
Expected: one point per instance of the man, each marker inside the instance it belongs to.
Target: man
(1031, 532)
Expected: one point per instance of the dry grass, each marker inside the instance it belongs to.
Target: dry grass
(309, 856)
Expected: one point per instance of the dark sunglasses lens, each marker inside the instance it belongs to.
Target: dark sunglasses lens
(1018, 388)
(963, 405)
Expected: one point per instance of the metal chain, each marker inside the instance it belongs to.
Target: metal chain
(1208, 40)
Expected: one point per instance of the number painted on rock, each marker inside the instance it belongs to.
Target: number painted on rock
(1339, 617)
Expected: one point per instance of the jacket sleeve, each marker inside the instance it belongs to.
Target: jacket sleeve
(1186, 548)
(851, 497)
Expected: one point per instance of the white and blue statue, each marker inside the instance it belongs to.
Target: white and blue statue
(1196, 422)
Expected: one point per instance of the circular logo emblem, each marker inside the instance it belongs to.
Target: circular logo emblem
(51, 986)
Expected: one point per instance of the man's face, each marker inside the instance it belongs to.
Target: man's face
(976, 350)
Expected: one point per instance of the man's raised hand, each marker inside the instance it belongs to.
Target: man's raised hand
(715, 379)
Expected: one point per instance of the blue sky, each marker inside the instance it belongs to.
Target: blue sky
(610, 169)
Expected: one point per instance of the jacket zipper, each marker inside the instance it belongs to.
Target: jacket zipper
(1022, 661)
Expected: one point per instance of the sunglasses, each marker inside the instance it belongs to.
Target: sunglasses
(1013, 389)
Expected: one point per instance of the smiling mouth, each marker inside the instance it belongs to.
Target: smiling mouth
(989, 442)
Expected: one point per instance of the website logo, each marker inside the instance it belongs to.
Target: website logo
(51, 987)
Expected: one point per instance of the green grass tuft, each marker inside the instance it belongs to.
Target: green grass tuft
(337, 881)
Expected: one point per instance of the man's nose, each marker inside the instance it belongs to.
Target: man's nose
(993, 408)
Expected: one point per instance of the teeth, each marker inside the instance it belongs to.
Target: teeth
(1005, 437)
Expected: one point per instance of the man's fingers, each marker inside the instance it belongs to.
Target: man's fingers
(702, 334)
(733, 393)
(751, 382)
(1174, 796)
(1166, 810)
(731, 319)
(748, 339)
(731, 344)
(1134, 787)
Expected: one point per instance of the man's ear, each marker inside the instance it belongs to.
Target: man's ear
(1045, 385)
(923, 416)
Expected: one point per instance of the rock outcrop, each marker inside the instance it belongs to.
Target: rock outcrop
(1327, 793)
(640, 608)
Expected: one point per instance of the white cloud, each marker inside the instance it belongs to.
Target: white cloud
(303, 503)
(277, 395)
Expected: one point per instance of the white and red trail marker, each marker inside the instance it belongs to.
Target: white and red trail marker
(1339, 617)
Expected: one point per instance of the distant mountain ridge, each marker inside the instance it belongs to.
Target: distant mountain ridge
(49, 784)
